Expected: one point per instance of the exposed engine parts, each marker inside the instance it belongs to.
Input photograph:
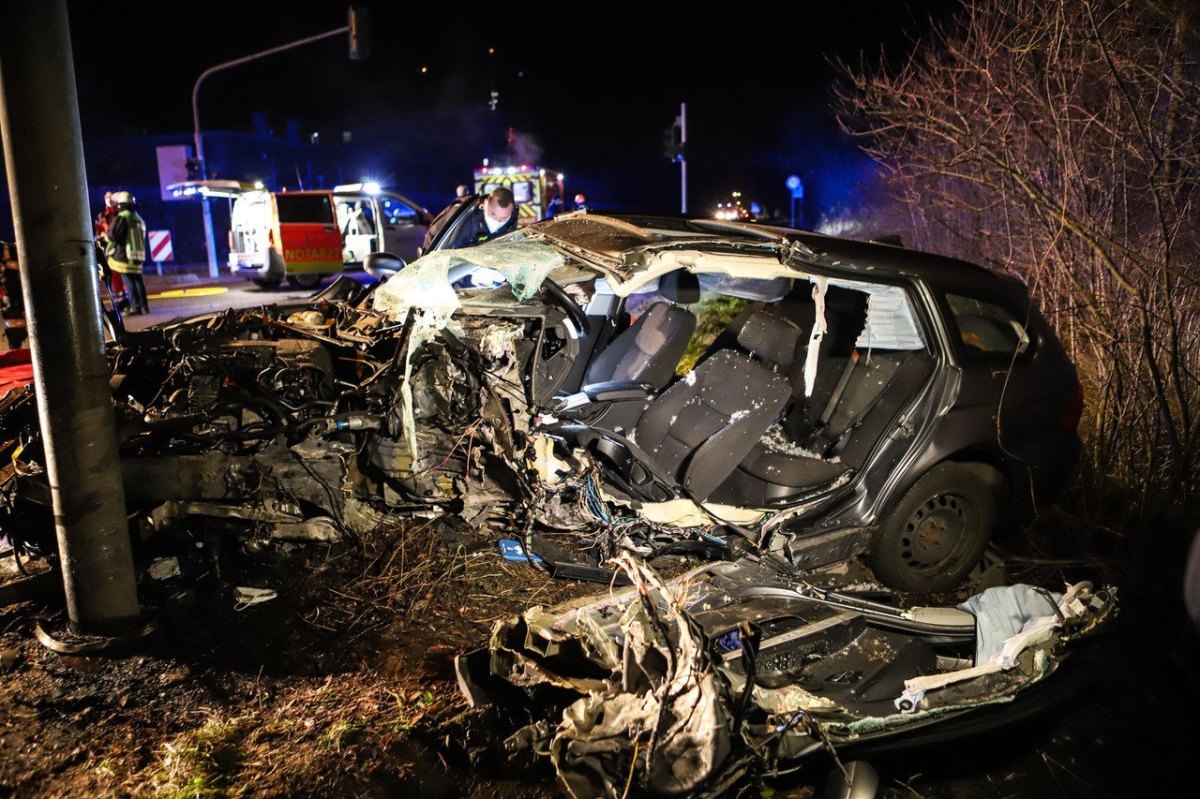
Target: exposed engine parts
(291, 424)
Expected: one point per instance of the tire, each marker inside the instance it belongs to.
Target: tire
(938, 531)
(267, 282)
(308, 280)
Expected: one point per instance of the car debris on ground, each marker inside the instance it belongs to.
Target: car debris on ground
(683, 687)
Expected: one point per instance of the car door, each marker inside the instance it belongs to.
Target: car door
(358, 219)
(309, 239)
(404, 224)
(443, 227)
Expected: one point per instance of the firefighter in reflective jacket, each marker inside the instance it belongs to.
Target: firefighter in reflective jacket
(126, 250)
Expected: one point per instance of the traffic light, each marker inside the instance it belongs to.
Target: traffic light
(360, 29)
(673, 143)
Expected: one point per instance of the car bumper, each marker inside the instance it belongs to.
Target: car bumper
(255, 265)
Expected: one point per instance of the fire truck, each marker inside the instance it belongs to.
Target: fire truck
(534, 188)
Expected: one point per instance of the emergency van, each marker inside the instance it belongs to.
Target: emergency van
(276, 235)
(534, 189)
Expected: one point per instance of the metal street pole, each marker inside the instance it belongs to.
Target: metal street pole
(43, 149)
(198, 137)
(683, 158)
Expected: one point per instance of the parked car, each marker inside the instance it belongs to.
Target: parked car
(846, 398)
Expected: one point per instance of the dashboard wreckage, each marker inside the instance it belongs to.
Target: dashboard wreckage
(854, 399)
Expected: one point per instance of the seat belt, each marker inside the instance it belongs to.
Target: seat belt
(840, 389)
(836, 445)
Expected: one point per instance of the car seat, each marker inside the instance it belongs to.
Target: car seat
(845, 318)
(650, 348)
(698, 430)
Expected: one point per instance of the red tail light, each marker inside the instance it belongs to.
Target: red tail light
(1072, 411)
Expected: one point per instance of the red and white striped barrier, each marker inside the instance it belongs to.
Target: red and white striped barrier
(160, 245)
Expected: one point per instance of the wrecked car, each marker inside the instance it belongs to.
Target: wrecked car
(688, 686)
(645, 383)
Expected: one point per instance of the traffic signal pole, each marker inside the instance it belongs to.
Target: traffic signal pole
(683, 158)
(356, 27)
(43, 150)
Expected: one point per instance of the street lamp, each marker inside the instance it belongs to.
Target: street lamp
(356, 27)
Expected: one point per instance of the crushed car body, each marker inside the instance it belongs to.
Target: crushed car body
(640, 380)
(684, 687)
(600, 392)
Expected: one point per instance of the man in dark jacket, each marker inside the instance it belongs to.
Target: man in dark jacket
(494, 216)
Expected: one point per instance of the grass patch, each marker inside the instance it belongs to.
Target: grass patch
(201, 764)
(713, 314)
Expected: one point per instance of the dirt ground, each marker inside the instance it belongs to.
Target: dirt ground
(343, 686)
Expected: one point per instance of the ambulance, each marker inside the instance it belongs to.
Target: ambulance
(372, 219)
(534, 189)
(304, 236)
(276, 235)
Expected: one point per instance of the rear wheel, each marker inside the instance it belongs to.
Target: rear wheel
(267, 282)
(938, 532)
(308, 280)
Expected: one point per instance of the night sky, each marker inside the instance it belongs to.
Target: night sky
(594, 84)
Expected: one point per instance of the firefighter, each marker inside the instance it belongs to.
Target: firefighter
(100, 226)
(126, 250)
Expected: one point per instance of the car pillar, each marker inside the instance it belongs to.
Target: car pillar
(43, 150)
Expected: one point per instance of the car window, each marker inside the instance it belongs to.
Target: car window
(746, 288)
(891, 318)
(304, 209)
(396, 212)
(522, 190)
(988, 331)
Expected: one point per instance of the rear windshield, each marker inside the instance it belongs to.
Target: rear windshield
(304, 208)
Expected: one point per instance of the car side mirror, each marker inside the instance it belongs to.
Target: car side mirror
(383, 265)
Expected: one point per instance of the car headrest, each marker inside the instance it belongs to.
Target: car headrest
(680, 286)
(770, 338)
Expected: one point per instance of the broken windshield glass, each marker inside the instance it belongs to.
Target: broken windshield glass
(426, 283)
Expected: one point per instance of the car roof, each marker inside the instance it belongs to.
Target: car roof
(614, 234)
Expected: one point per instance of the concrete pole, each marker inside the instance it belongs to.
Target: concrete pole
(43, 149)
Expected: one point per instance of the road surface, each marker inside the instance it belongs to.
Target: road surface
(170, 300)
